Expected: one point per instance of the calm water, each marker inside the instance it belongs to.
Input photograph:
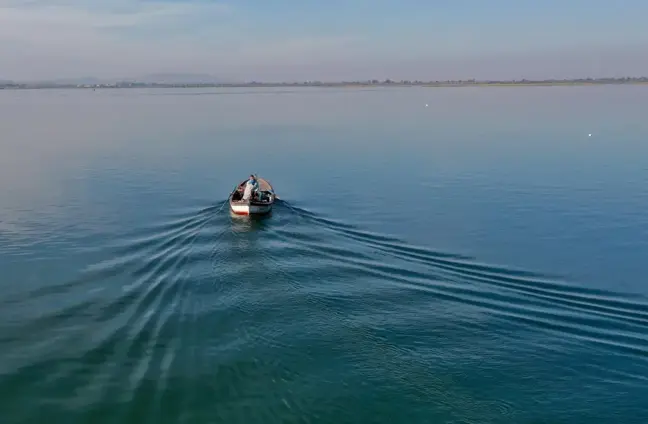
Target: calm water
(479, 260)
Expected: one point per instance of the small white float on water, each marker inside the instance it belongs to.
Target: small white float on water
(259, 203)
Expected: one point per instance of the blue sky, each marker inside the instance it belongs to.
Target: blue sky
(327, 40)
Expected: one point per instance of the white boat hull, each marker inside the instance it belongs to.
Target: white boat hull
(247, 209)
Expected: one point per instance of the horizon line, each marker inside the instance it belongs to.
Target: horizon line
(70, 82)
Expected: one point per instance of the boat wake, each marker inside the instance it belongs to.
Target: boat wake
(538, 300)
(203, 313)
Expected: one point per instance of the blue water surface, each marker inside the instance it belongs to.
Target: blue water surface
(480, 259)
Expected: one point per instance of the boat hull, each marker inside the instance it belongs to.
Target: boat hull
(250, 209)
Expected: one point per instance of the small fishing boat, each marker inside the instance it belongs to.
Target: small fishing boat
(259, 204)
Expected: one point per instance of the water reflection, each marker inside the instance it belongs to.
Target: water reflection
(248, 223)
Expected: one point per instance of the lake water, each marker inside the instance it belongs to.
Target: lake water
(478, 260)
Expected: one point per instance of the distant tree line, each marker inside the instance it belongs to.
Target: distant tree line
(368, 83)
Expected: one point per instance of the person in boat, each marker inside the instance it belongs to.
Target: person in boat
(251, 186)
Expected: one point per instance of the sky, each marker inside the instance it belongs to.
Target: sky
(289, 40)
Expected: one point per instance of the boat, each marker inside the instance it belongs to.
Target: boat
(260, 203)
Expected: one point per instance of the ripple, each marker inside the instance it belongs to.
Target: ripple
(285, 315)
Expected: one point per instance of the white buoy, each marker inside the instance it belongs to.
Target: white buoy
(589, 135)
(426, 105)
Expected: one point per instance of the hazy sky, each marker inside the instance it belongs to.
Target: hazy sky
(328, 40)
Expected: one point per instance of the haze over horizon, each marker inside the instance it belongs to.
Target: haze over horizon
(337, 40)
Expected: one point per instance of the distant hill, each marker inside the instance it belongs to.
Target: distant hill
(75, 81)
(168, 78)
(161, 78)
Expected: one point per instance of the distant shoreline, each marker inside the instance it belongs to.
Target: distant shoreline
(343, 84)
(539, 84)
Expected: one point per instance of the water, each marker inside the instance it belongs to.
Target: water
(480, 260)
